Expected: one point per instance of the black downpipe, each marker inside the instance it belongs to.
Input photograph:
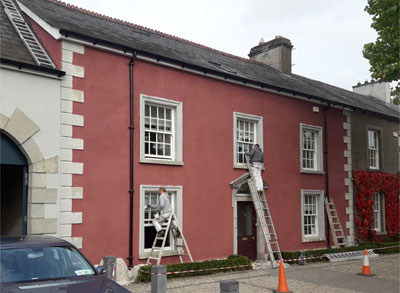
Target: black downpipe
(328, 237)
(131, 191)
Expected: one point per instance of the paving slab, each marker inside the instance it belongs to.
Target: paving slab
(313, 277)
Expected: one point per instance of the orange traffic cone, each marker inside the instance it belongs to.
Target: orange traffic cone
(366, 271)
(282, 284)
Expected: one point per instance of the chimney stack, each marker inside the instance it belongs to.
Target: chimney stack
(276, 53)
(380, 90)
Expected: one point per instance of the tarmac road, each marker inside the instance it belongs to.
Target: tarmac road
(314, 277)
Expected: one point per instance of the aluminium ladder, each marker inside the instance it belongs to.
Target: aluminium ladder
(265, 219)
(182, 248)
(334, 223)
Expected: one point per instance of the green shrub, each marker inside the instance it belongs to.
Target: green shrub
(231, 261)
(391, 238)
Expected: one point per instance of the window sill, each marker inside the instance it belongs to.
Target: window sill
(145, 254)
(313, 239)
(381, 233)
(312, 172)
(160, 162)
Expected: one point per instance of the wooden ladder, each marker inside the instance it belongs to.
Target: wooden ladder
(182, 248)
(336, 228)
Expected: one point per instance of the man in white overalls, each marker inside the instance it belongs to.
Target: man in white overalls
(256, 157)
(164, 209)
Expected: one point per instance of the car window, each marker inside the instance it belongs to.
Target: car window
(43, 263)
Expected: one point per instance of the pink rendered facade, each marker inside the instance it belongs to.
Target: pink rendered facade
(207, 111)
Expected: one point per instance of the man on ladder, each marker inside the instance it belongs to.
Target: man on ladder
(165, 210)
(256, 158)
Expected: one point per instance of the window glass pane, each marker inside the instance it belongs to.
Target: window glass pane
(167, 150)
(168, 114)
(153, 149)
(161, 125)
(153, 124)
(153, 111)
(160, 150)
(168, 126)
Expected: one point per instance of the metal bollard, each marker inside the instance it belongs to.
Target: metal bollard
(229, 286)
(109, 263)
(302, 262)
(158, 279)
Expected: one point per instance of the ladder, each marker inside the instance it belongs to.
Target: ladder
(334, 223)
(182, 248)
(27, 36)
(265, 219)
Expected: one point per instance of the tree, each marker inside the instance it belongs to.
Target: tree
(384, 53)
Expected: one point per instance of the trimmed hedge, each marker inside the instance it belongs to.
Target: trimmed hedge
(320, 252)
(232, 260)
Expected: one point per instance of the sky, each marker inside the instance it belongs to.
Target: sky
(328, 36)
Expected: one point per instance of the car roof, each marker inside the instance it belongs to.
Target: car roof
(31, 241)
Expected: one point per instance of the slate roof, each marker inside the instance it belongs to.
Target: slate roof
(11, 45)
(71, 19)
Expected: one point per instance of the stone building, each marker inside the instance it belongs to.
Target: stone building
(29, 132)
(376, 145)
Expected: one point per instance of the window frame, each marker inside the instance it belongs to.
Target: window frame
(319, 164)
(177, 130)
(178, 209)
(381, 229)
(377, 149)
(320, 221)
(259, 134)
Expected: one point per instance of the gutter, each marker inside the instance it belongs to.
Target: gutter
(154, 58)
(328, 237)
(22, 65)
(131, 156)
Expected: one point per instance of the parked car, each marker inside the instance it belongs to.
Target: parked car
(49, 264)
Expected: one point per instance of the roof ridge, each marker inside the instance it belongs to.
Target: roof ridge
(127, 23)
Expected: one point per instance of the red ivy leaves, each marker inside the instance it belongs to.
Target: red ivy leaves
(367, 184)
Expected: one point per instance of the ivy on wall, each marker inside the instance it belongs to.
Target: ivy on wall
(366, 185)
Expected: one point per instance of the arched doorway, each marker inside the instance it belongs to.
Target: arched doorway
(14, 188)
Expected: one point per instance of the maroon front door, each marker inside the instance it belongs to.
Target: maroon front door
(246, 227)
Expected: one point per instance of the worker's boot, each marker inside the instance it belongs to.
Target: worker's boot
(177, 233)
(160, 233)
